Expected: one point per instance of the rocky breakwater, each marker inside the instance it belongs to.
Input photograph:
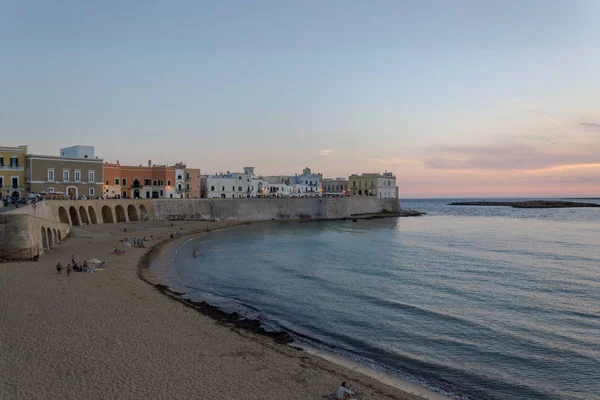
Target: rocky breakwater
(526, 204)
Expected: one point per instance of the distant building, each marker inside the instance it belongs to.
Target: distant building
(306, 184)
(373, 184)
(180, 180)
(192, 183)
(143, 182)
(230, 185)
(76, 178)
(335, 187)
(13, 171)
(77, 152)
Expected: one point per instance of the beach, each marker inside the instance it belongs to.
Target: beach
(109, 334)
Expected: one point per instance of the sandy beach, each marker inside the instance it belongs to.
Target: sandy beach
(110, 335)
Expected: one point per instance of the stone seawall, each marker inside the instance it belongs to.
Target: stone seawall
(29, 230)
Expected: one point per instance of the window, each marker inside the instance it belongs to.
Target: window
(169, 183)
(50, 175)
(239, 188)
(354, 183)
(15, 182)
(106, 183)
(179, 186)
(161, 183)
(187, 186)
(233, 188)
(240, 178)
(1, 181)
(1, 161)
(360, 184)
(161, 192)
(117, 181)
(222, 188)
(92, 176)
(77, 176)
(187, 176)
(147, 182)
(212, 188)
(154, 183)
(14, 161)
(92, 192)
(65, 175)
(372, 183)
(179, 177)
(124, 181)
(248, 180)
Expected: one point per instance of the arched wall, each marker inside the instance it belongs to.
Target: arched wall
(132, 213)
(107, 215)
(63, 216)
(92, 212)
(84, 217)
(74, 216)
(120, 213)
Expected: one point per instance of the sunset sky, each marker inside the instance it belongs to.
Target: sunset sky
(458, 99)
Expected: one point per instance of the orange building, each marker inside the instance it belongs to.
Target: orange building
(144, 182)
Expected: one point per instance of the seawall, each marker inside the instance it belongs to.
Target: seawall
(29, 230)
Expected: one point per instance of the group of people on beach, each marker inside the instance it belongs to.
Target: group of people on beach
(75, 266)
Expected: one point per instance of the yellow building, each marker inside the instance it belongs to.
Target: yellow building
(373, 184)
(13, 171)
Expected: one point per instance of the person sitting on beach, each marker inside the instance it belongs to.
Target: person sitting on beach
(68, 269)
(85, 266)
(59, 268)
(73, 259)
(344, 393)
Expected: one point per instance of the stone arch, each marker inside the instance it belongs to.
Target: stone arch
(50, 239)
(132, 213)
(107, 215)
(44, 239)
(84, 217)
(92, 214)
(62, 214)
(120, 212)
(59, 236)
(143, 212)
(56, 239)
(74, 216)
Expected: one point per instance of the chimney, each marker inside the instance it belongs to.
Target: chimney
(149, 163)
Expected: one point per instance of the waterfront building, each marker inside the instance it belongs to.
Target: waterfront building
(373, 184)
(192, 183)
(13, 171)
(230, 185)
(180, 180)
(139, 182)
(75, 178)
(78, 151)
(306, 184)
(335, 187)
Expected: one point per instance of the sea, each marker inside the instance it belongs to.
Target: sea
(471, 302)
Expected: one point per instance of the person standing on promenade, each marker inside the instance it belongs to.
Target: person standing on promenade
(59, 268)
(68, 269)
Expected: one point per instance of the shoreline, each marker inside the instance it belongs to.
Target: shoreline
(109, 334)
(280, 337)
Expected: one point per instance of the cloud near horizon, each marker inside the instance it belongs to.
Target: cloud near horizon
(325, 152)
(509, 157)
(592, 125)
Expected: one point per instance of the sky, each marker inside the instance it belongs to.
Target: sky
(458, 99)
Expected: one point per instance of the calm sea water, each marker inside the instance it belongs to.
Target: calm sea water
(474, 302)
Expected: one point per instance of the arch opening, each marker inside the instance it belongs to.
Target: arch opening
(59, 235)
(120, 212)
(55, 236)
(92, 213)
(132, 213)
(62, 214)
(44, 239)
(143, 213)
(84, 217)
(50, 239)
(107, 215)
(74, 216)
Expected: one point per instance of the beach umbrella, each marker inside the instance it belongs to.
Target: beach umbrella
(94, 262)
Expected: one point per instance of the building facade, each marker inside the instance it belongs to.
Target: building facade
(230, 185)
(373, 184)
(335, 187)
(307, 184)
(192, 183)
(76, 178)
(139, 182)
(13, 171)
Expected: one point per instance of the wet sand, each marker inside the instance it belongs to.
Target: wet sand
(111, 335)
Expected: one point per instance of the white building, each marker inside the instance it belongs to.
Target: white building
(307, 184)
(230, 185)
(179, 180)
(77, 152)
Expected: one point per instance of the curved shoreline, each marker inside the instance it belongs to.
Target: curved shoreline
(280, 337)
